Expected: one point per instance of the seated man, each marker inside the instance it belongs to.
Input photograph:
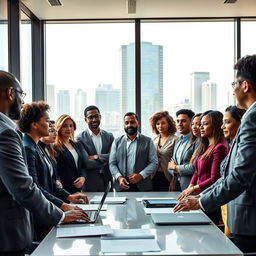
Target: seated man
(133, 158)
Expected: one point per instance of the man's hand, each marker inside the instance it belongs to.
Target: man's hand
(79, 182)
(75, 215)
(94, 157)
(68, 207)
(171, 165)
(78, 198)
(123, 183)
(187, 204)
(58, 182)
(135, 178)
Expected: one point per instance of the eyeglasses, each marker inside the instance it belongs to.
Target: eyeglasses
(52, 131)
(236, 82)
(23, 94)
(97, 116)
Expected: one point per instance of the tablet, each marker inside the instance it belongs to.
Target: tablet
(160, 203)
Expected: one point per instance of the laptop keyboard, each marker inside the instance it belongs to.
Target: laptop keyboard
(91, 215)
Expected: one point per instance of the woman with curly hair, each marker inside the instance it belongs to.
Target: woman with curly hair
(164, 127)
(71, 158)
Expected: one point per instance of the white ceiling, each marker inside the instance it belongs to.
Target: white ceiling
(107, 9)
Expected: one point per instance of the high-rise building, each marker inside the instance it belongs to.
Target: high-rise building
(209, 96)
(63, 101)
(151, 81)
(107, 99)
(50, 96)
(184, 104)
(197, 78)
(80, 101)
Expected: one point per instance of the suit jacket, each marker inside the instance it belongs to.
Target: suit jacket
(207, 170)
(19, 195)
(186, 170)
(238, 185)
(67, 169)
(165, 153)
(40, 172)
(94, 166)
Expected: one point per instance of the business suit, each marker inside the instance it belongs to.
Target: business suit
(186, 170)
(67, 169)
(161, 178)
(238, 185)
(40, 172)
(98, 174)
(145, 163)
(19, 195)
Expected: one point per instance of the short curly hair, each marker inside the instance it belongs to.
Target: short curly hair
(32, 113)
(157, 116)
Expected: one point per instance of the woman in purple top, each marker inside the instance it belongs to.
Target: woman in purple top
(211, 151)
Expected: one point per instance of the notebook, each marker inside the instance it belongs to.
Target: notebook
(93, 215)
(181, 218)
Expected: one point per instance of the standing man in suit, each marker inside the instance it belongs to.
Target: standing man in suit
(97, 144)
(133, 158)
(237, 187)
(183, 151)
(18, 194)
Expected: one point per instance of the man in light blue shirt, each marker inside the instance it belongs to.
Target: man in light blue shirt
(133, 158)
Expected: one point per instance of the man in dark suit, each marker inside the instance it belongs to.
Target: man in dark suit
(183, 150)
(97, 143)
(237, 187)
(18, 194)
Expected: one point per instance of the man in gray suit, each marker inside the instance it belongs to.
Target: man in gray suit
(18, 194)
(133, 158)
(97, 144)
(183, 150)
(237, 187)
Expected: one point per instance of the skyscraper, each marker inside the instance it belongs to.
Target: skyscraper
(107, 99)
(209, 96)
(197, 78)
(63, 101)
(151, 81)
(50, 96)
(80, 104)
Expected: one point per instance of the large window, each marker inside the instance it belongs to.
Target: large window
(185, 65)
(26, 56)
(3, 36)
(248, 37)
(91, 63)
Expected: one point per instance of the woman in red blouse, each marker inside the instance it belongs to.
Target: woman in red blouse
(212, 149)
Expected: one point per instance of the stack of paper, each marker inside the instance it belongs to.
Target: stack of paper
(108, 200)
(78, 231)
(129, 240)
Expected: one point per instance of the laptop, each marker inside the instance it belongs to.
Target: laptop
(181, 218)
(93, 215)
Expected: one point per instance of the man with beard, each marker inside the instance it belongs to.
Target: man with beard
(97, 144)
(18, 194)
(133, 158)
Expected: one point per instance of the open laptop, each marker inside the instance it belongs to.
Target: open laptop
(181, 218)
(93, 215)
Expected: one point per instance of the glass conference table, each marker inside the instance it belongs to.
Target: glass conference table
(173, 240)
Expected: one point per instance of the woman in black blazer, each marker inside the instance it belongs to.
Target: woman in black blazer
(34, 123)
(71, 159)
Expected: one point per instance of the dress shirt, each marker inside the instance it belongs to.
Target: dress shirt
(184, 139)
(131, 148)
(97, 141)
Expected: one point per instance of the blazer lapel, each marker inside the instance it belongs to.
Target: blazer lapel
(91, 144)
(69, 155)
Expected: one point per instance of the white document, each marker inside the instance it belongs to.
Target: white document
(139, 199)
(162, 210)
(129, 240)
(129, 234)
(92, 207)
(78, 231)
(108, 200)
